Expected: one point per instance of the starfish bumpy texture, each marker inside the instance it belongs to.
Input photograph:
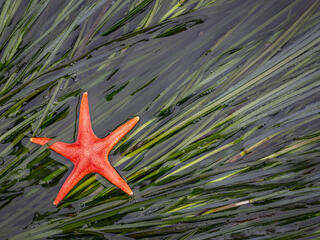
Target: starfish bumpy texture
(89, 153)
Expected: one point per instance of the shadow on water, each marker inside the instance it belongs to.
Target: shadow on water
(228, 95)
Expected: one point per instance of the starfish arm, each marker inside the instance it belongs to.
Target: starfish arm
(41, 141)
(113, 176)
(85, 128)
(65, 149)
(113, 138)
(75, 176)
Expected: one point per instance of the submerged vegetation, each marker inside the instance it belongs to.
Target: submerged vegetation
(228, 95)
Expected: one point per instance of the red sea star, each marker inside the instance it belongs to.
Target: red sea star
(89, 153)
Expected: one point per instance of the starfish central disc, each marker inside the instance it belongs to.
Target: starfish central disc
(89, 153)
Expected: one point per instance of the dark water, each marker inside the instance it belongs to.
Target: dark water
(228, 95)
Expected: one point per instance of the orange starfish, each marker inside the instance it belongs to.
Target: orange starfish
(89, 153)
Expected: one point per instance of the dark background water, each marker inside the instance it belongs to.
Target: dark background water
(228, 95)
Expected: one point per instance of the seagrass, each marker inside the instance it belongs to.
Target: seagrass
(227, 91)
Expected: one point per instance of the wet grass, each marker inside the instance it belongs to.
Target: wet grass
(228, 142)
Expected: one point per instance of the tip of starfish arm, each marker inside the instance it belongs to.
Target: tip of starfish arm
(85, 93)
(137, 118)
(31, 139)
